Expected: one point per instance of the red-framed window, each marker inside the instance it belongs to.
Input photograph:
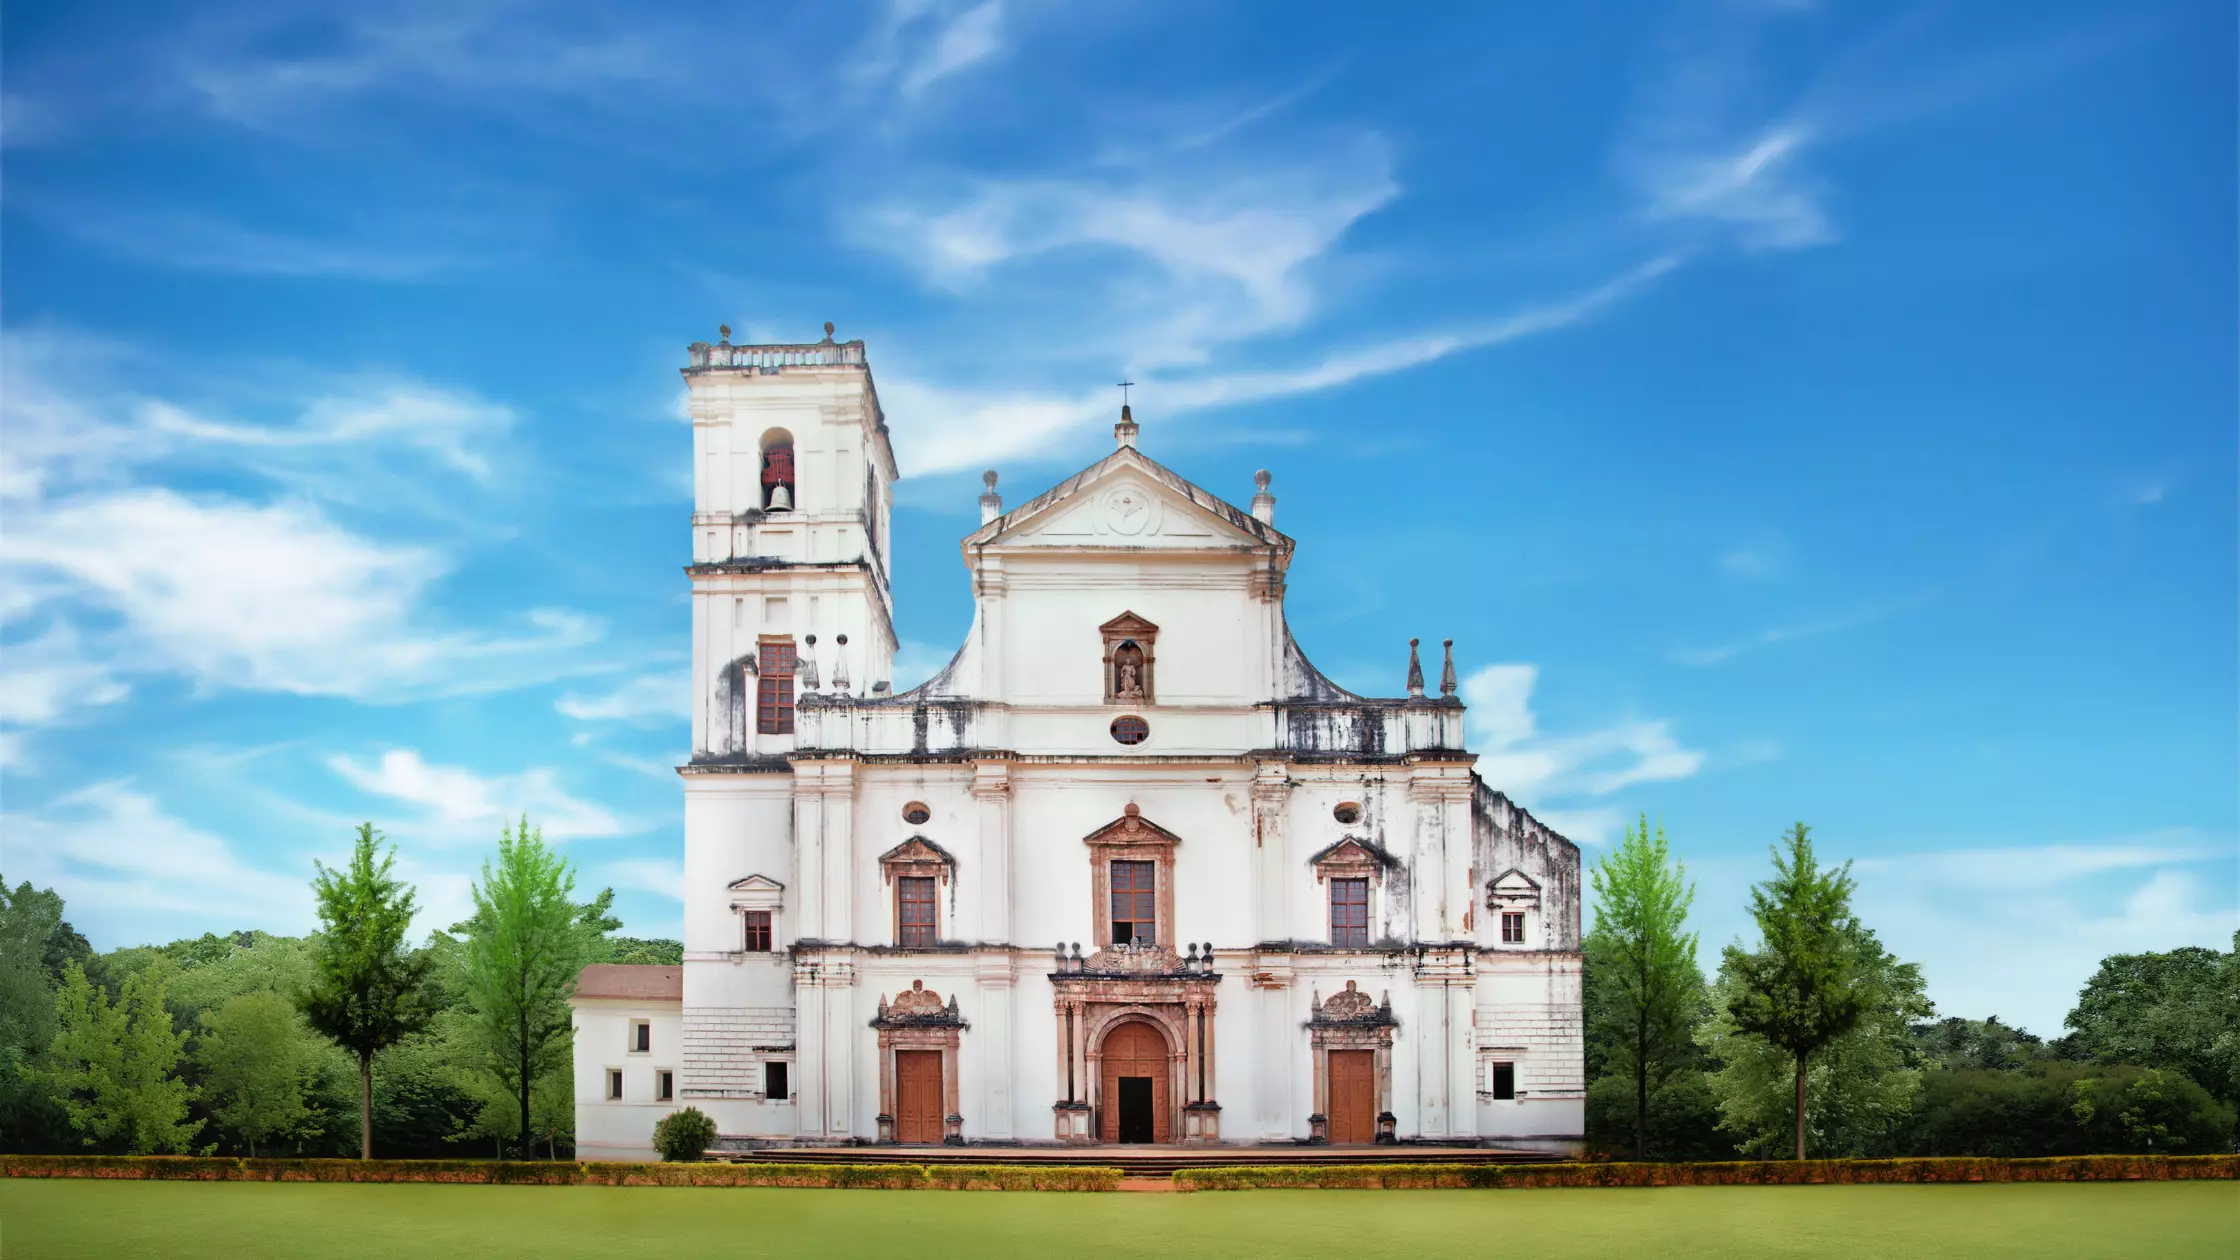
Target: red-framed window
(758, 931)
(1349, 912)
(1135, 903)
(915, 912)
(773, 705)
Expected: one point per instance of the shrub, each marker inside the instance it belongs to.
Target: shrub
(561, 1173)
(1683, 1119)
(684, 1135)
(1738, 1173)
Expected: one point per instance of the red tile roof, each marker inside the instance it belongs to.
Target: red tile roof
(618, 980)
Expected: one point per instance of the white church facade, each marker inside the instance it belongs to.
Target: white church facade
(1127, 869)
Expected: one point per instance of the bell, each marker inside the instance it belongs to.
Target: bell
(781, 499)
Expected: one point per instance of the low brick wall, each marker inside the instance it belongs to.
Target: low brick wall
(536, 1173)
(1740, 1173)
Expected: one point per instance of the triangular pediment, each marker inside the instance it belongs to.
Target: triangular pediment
(1351, 851)
(756, 883)
(1514, 880)
(1131, 501)
(917, 849)
(1128, 626)
(1131, 827)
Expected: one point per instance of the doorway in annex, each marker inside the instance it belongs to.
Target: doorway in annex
(1353, 1096)
(1135, 1096)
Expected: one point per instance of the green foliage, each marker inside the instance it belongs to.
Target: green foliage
(1647, 993)
(684, 1135)
(524, 947)
(419, 1104)
(2059, 1108)
(36, 946)
(258, 1068)
(365, 992)
(2179, 1010)
(641, 952)
(1798, 991)
(113, 1067)
(1683, 1118)
(1957, 1044)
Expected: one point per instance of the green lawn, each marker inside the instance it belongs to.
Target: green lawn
(117, 1220)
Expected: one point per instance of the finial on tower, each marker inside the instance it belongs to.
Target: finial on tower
(828, 330)
(724, 331)
(1446, 676)
(1415, 671)
(840, 665)
(805, 665)
(991, 503)
(1124, 433)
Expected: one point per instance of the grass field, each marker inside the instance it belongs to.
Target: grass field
(116, 1220)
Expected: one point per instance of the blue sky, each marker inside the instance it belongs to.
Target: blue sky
(1792, 411)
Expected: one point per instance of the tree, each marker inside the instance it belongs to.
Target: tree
(113, 1068)
(1799, 990)
(1860, 1085)
(684, 1135)
(255, 1067)
(524, 947)
(366, 995)
(2177, 1010)
(36, 946)
(1647, 992)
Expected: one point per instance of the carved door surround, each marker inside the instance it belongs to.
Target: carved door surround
(1349, 1021)
(918, 1021)
(1128, 663)
(1131, 838)
(1136, 985)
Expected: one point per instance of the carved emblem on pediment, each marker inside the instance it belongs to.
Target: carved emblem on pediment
(917, 1005)
(1353, 1007)
(1134, 959)
(1131, 828)
(1130, 510)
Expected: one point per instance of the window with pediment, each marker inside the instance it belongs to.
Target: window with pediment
(1132, 860)
(917, 869)
(1350, 870)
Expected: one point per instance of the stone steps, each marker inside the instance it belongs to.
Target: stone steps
(1138, 1161)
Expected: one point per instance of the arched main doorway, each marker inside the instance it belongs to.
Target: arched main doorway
(1134, 1100)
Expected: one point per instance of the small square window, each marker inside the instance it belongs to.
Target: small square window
(1512, 927)
(665, 1086)
(1504, 1080)
(758, 931)
(774, 1081)
(641, 1037)
(614, 1084)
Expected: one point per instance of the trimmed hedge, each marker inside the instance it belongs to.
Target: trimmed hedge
(1738, 1173)
(536, 1173)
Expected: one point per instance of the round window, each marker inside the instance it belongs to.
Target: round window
(916, 813)
(1347, 812)
(1130, 729)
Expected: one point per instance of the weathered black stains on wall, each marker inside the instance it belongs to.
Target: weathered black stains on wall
(735, 704)
(1505, 838)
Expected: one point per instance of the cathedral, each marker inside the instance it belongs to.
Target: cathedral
(1126, 869)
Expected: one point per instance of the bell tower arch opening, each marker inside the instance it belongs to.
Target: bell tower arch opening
(778, 488)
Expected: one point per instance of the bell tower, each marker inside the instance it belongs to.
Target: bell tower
(792, 490)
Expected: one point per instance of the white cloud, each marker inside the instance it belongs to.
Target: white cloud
(1720, 654)
(112, 850)
(951, 430)
(661, 877)
(1754, 562)
(1758, 187)
(47, 677)
(1531, 767)
(917, 44)
(458, 804)
(448, 426)
(651, 699)
(2016, 931)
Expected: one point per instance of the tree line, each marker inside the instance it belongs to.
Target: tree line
(1818, 1042)
(349, 1041)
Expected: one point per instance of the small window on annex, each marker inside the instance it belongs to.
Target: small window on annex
(1512, 927)
(758, 931)
(1504, 1080)
(641, 1036)
(665, 1086)
(916, 912)
(1135, 903)
(1349, 912)
(614, 1084)
(774, 1081)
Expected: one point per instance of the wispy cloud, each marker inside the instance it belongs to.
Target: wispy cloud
(1720, 654)
(650, 699)
(456, 804)
(1519, 759)
(1756, 561)
(917, 44)
(111, 848)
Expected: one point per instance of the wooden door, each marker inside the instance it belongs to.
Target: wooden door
(917, 1097)
(1353, 1096)
(1136, 1052)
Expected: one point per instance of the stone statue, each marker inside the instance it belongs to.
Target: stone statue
(1131, 685)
